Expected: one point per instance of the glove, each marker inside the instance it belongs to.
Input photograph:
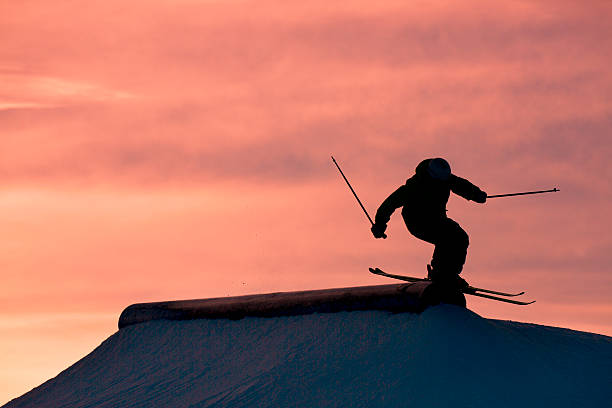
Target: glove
(481, 197)
(379, 230)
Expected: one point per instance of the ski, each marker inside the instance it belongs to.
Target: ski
(470, 290)
(500, 299)
(380, 272)
(495, 292)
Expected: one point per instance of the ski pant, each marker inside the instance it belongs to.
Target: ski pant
(450, 240)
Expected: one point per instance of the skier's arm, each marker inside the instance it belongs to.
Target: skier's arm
(467, 190)
(391, 203)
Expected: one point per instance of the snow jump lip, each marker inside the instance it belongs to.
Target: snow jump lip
(395, 297)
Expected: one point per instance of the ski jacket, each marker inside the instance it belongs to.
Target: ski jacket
(424, 198)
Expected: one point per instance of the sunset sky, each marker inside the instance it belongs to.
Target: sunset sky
(160, 150)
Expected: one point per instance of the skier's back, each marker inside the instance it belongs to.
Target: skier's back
(424, 198)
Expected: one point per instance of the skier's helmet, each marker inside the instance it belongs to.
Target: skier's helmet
(439, 169)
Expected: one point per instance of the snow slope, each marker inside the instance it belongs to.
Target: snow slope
(446, 356)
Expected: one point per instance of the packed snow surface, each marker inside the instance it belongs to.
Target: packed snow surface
(445, 357)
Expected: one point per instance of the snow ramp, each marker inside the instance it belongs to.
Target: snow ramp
(446, 356)
(412, 297)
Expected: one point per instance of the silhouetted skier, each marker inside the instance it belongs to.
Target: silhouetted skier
(424, 198)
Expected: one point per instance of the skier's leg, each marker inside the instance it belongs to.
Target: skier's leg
(451, 243)
(451, 247)
(432, 231)
(449, 254)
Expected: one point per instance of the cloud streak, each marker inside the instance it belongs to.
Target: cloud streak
(23, 91)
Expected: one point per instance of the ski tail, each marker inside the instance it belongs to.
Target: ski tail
(378, 271)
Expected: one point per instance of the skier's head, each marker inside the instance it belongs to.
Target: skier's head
(439, 169)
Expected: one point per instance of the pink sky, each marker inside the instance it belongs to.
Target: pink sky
(159, 150)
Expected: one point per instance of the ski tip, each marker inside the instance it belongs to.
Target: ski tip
(516, 302)
(376, 271)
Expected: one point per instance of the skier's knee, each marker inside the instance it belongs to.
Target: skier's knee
(463, 238)
(467, 239)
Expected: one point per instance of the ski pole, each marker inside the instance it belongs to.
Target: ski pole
(353, 191)
(554, 190)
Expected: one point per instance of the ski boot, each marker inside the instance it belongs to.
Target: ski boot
(449, 280)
